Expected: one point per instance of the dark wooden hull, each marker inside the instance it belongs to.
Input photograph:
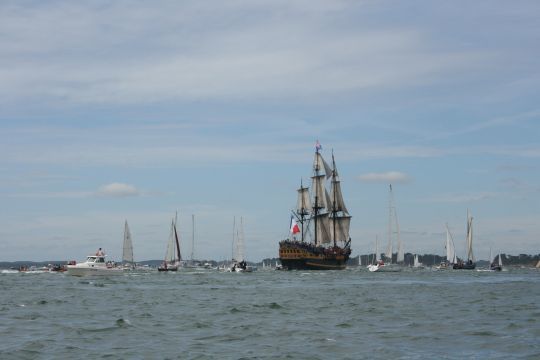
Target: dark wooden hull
(496, 268)
(464, 266)
(300, 256)
(172, 268)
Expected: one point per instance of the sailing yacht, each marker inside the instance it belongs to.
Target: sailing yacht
(127, 250)
(417, 264)
(393, 233)
(450, 251)
(495, 266)
(324, 222)
(172, 256)
(239, 263)
(377, 263)
(470, 264)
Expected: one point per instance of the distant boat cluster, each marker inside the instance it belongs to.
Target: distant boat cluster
(318, 239)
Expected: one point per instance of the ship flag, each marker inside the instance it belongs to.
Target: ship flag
(295, 229)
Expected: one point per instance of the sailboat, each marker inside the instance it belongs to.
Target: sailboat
(451, 258)
(127, 251)
(377, 264)
(239, 263)
(324, 242)
(393, 233)
(417, 264)
(470, 264)
(495, 266)
(172, 256)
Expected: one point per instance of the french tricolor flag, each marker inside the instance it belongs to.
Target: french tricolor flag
(295, 229)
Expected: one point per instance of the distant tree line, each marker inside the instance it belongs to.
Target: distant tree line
(431, 259)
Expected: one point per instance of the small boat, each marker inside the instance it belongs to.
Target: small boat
(239, 263)
(378, 263)
(417, 264)
(172, 256)
(451, 258)
(496, 266)
(94, 265)
(470, 264)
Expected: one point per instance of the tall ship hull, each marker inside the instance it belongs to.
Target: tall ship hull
(301, 256)
(319, 228)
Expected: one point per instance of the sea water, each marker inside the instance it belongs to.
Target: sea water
(349, 314)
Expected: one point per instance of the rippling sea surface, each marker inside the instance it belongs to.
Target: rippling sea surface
(350, 314)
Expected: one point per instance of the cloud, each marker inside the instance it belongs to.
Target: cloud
(118, 190)
(386, 177)
(461, 198)
(146, 53)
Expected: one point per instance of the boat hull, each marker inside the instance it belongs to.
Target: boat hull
(464, 266)
(301, 256)
(95, 271)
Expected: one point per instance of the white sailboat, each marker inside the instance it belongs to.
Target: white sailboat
(239, 263)
(470, 264)
(417, 264)
(377, 263)
(172, 256)
(393, 234)
(451, 258)
(127, 250)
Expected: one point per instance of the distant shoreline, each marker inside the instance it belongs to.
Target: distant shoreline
(427, 260)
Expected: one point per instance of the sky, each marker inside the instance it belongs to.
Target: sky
(133, 110)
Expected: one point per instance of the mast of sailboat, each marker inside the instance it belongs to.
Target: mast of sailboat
(192, 236)
(315, 188)
(334, 208)
(389, 246)
(233, 236)
(302, 206)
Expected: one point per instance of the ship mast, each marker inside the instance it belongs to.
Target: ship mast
(334, 210)
(303, 205)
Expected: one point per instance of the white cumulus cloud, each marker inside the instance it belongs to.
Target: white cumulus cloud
(385, 177)
(118, 190)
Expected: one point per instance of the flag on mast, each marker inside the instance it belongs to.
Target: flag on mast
(295, 229)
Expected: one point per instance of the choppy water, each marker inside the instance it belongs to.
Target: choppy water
(351, 314)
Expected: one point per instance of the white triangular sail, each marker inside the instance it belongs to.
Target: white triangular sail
(470, 254)
(127, 251)
(170, 255)
(450, 249)
(500, 260)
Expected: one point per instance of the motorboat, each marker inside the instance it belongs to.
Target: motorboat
(94, 265)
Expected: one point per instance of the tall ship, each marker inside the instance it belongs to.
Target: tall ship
(319, 232)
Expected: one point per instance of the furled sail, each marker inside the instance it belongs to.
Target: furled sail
(127, 253)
